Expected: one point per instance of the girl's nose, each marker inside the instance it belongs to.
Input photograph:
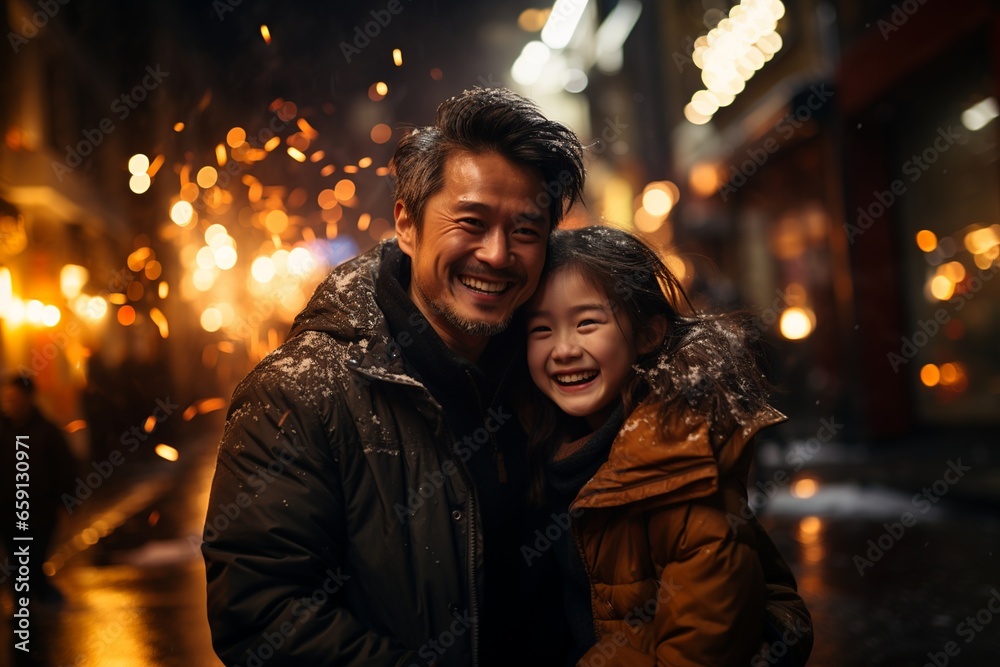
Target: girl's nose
(566, 348)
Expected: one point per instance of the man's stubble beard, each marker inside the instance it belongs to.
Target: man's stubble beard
(465, 326)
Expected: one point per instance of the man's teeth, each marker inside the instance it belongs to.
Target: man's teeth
(483, 286)
(572, 378)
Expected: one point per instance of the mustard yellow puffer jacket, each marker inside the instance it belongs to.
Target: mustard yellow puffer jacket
(678, 576)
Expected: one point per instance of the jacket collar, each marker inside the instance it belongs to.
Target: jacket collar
(672, 462)
(344, 307)
(446, 374)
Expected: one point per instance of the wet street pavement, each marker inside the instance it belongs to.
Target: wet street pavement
(132, 575)
(897, 560)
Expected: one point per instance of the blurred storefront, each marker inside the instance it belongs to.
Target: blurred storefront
(737, 181)
(830, 166)
(56, 228)
(80, 305)
(918, 103)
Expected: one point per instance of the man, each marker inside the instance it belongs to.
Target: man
(367, 504)
(28, 436)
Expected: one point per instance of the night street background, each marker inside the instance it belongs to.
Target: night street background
(177, 177)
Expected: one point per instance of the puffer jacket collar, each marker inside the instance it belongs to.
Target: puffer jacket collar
(344, 307)
(672, 462)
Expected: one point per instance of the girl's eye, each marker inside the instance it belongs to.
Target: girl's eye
(539, 329)
(587, 323)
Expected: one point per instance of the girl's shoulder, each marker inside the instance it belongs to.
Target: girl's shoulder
(649, 434)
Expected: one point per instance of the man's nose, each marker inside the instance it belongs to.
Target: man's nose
(495, 249)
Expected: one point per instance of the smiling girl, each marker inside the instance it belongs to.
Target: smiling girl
(644, 435)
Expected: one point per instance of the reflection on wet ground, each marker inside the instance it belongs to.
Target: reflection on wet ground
(890, 580)
(885, 593)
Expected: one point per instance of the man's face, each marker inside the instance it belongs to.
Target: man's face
(480, 250)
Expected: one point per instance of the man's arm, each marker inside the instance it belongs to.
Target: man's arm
(273, 542)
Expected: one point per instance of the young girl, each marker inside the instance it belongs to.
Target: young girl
(643, 435)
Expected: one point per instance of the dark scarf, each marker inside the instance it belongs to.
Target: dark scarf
(565, 478)
(467, 392)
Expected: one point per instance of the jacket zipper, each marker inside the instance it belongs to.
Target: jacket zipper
(502, 475)
(590, 577)
(472, 572)
(470, 515)
(472, 536)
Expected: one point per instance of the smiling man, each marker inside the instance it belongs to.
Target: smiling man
(368, 502)
(480, 249)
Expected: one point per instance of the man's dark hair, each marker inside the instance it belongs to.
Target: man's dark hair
(494, 120)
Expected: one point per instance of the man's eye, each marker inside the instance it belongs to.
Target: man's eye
(527, 231)
(471, 221)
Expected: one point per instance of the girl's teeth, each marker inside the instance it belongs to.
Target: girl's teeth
(575, 377)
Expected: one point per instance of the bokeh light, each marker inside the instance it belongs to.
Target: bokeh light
(796, 323)
(926, 240)
(930, 375)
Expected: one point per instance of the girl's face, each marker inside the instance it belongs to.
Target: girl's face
(579, 354)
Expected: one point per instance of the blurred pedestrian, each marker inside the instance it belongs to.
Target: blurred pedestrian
(49, 474)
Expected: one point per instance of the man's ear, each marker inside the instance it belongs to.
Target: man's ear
(406, 228)
(653, 334)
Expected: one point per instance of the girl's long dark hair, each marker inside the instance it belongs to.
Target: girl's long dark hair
(704, 366)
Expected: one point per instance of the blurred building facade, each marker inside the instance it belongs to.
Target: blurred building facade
(79, 275)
